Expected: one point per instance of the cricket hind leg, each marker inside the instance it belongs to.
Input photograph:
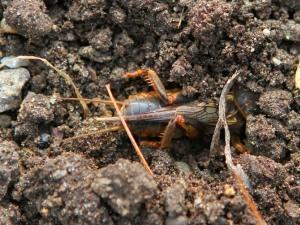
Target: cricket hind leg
(151, 77)
(238, 145)
(150, 144)
(169, 132)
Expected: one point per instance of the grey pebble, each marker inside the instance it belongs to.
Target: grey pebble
(13, 62)
(58, 174)
(11, 83)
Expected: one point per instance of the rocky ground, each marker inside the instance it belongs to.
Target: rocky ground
(194, 45)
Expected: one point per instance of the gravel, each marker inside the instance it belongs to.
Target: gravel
(12, 82)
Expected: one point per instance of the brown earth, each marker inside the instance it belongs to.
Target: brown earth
(193, 45)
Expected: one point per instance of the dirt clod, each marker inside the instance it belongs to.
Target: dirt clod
(9, 168)
(276, 103)
(29, 19)
(125, 186)
(62, 197)
(175, 197)
(267, 173)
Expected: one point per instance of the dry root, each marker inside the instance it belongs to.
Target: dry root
(237, 171)
(67, 78)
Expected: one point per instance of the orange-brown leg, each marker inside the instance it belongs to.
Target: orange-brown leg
(153, 80)
(238, 145)
(190, 131)
(168, 134)
(179, 120)
(150, 144)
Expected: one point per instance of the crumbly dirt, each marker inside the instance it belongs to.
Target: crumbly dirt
(194, 45)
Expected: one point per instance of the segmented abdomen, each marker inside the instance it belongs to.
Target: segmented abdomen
(136, 107)
(141, 104)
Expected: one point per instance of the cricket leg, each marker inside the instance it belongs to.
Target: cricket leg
(169, 132)
(238, 145)
(153, 80)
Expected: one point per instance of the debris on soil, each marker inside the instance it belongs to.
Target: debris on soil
(36, 108)
(101, 40)
(209, 20)
(12, 82)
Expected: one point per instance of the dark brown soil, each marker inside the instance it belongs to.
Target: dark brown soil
(193, 45)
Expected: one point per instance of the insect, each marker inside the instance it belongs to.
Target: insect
(168, 113)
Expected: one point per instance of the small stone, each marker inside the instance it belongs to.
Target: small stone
(276, 61)
(297, 15)
(229, 190)
(58, 174)
(13, 62)
(266, 32)
(43, 141)
(293, 120)
(11, 83)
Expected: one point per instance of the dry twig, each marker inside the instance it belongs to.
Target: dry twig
(237, 171)
(67, 78)
(136, 147)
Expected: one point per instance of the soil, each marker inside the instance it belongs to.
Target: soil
(194, 45)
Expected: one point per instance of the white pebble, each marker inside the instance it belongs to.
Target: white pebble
(266, 32)
(276, 61)
(13, 62)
